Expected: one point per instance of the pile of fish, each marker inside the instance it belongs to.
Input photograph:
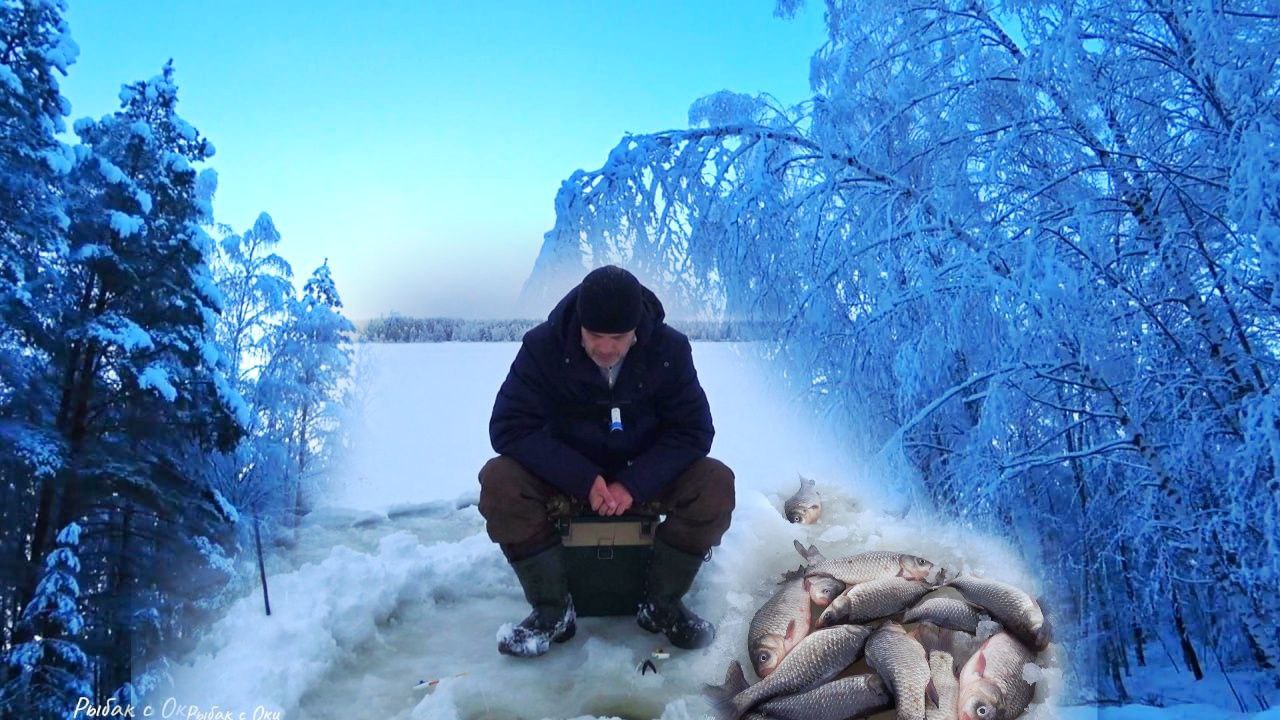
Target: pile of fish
(854, 636)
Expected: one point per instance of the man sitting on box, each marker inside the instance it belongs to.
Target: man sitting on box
(603, 404)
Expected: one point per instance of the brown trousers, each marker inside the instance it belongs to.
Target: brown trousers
(515, 505)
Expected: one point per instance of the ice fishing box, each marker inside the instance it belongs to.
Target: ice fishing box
(607, 558)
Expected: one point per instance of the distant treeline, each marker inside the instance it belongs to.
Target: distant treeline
(399, 329)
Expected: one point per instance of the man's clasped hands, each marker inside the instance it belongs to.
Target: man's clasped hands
(609, 498)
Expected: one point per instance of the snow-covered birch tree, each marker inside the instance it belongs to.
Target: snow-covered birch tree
(1029, 251)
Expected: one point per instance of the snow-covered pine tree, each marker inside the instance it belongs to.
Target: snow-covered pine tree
(141, 379)
(50, 671)
(35, 47)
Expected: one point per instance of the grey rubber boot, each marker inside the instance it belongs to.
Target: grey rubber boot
(670, 576)
(546, 587)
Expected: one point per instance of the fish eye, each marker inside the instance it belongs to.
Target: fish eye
(983, 711)
(921, 561)
(764, 657)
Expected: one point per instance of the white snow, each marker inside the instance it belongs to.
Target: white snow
(405, 452)
(156, 378)
(184, 129)
(177, 163)
(60, 159)
(110, 172)
(64, 53)
(397, 583)
(125, 224)
(7, 77)
(144, 200)
(142, 129)
(69, 535)
(225, 506)
(232, 400)
(115, 328)
(834, 534)
(210, 354)
(206, 187)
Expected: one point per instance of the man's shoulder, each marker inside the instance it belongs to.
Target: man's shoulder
(542, 340)
(669, 342)
(672, 337)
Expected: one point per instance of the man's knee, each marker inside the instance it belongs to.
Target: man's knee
(719, 483)
(513, 503)
(699, 508)
(709, 485)
(503, 481)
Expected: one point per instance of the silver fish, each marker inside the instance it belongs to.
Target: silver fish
(822, 589)
(805, 506)
(942, 671)
(821, 656)
(1009, 606)
(734, 683)
(848, 697)
(784, 620)
(944, 612)
(873, 600)
(840, 699)
(872, 565)
(991, 683)
(958, 644)
(901, 661)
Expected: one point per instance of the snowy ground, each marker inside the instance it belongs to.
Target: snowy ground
(396, 582)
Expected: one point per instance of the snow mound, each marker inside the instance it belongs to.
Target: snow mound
(324, 613)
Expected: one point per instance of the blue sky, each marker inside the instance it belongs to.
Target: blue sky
(419, 145)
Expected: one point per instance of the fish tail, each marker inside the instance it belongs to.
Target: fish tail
(931, 694)
(735, 681)
(1045, 634)
(926, 634)
(806, 483)
(734, 678)
(810, 554)
(721, 696)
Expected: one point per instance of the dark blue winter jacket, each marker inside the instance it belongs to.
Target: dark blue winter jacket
(552, 412)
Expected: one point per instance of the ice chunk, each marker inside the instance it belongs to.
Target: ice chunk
(987, 628)
(834, 534)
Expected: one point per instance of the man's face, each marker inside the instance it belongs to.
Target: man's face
(606, 349)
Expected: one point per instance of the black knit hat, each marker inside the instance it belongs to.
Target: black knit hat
(609, 300)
